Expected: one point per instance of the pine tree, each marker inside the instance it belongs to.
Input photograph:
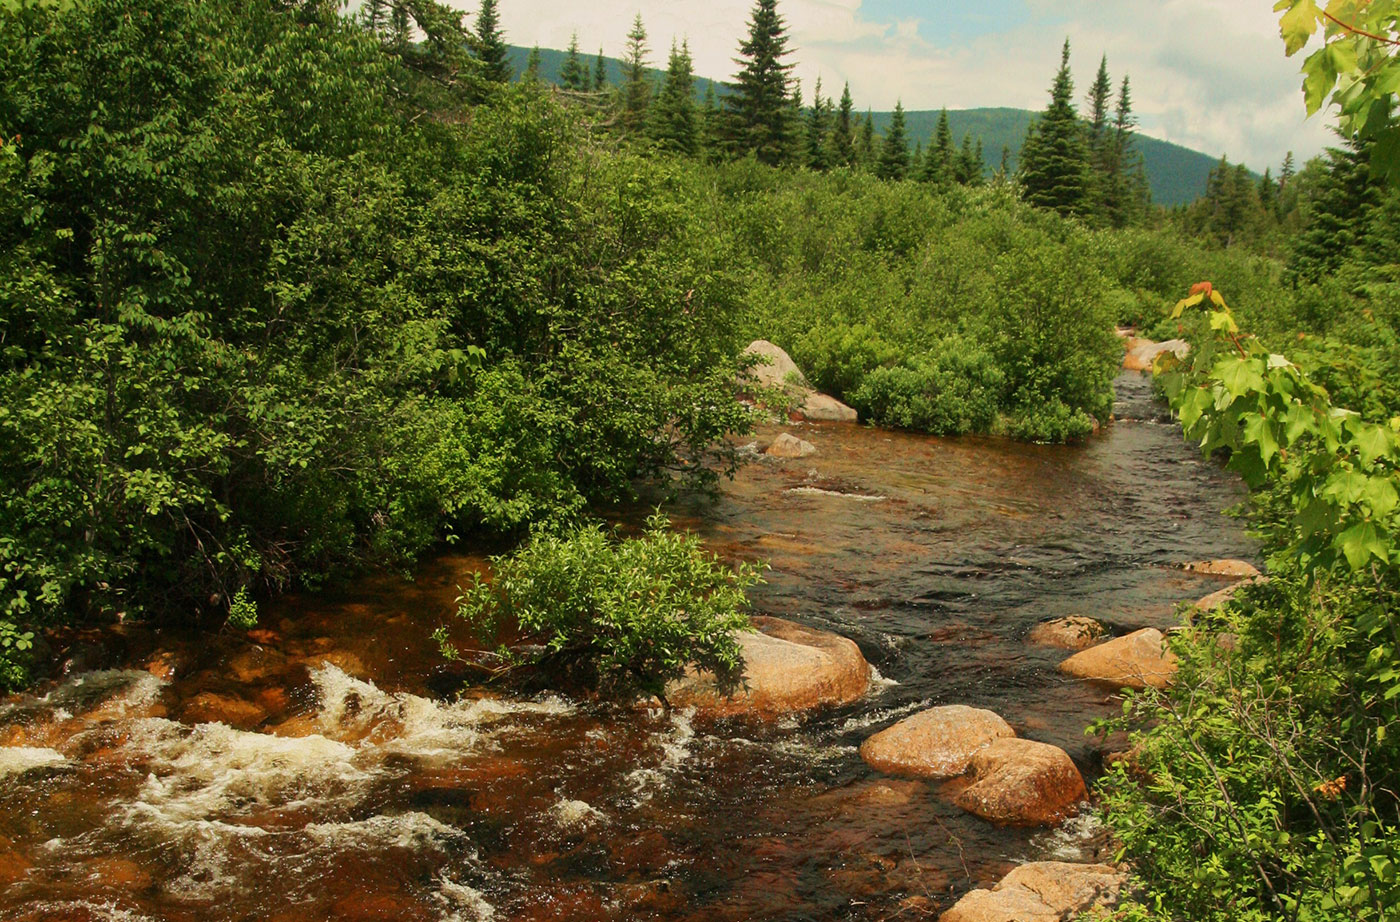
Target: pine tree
(572, 75)
(938, 164)
(1341, 207)
(673, 118)
(1099, 95)
(600, 73)
(894, 154)
(1123, 195)
(1287, 171)
(491, 44)
(375, 17)
(532, 66)
(711, 126)
(1003, 173)
(1055, 158)
(843, 139)
(865, 152)
(636, 89)
(1268, 194)
(818, 146)
(797, 146)
(760, 103)
(968, 168)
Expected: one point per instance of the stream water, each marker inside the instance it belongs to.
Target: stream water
(313, 772)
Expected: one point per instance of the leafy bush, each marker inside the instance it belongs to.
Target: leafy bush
(15, 648)
(953, 389)
(622, 617)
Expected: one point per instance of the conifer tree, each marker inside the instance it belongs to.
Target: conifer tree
(532, 66)
(572, 75)
(1268, 194)
(1122, 182)
(760, 103)
(865, 152)
(843, 139)
(1055, 158)
(673, 117)
(938, 164)
(894, 153)
(797, 146)
(969, 164)
(818, 145)
(1287, 171)
(1003, 173)
(636, 89)
(1099, 95)
(600, 73)
(1341, 206)
(711, 126)
(491, 44)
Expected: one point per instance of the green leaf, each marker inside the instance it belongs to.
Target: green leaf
(1298, 24)
(1372, 442)
(1360, 543)
(1239, 376)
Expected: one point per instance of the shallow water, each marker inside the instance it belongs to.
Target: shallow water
(314, 774)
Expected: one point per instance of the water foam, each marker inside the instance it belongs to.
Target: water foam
(575, 814)
(675, 750)
(463, 903)
(16, 760)
(818, 491)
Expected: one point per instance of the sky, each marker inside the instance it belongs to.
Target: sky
(1207, 74)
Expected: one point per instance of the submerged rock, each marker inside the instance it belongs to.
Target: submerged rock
(1138, 660)
(788, 668)
(1042, 891)
(937, 743)
(1022, 782)
(1235, 569)
(1074, 632)
(211, 707)
(790, 446)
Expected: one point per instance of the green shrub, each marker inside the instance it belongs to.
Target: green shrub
(15, 649)
(950, 390)
(621, 617)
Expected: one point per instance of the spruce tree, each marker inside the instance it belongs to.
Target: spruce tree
(1341, 206)
(491, 44)
(894, 153)
(532, 66)
(1268, 194)
(938, 165)
(573, 76)
(843, 139)
(1123, 194)
(1287, 171)
(818, 145)
(797, 147)
(673, 117)
(865, 152)
(711, 126)
(1055, 158)
(969, 164)
(1099, 95)
(600, 73)
(759, 103)
(636, 89)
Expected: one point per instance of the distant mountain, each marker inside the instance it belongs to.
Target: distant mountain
(1177, 175)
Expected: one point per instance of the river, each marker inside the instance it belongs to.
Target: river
(314, 772)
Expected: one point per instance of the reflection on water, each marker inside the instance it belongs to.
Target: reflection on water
(314, 774)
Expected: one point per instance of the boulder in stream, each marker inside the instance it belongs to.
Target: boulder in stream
(1221, 596)
(823, 409)
(1138, 660)
(1022, 782)
(937, 743)
(1041, 891)
(1234, 569)
(790, 446)
(782, 372)
(788, 668)
(1143, 352)
(1073, 632)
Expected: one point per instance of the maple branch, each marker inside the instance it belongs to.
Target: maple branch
(1362, 32)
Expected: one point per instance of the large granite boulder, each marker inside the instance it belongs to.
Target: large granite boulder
(823, 409)
(1138, 660)
(937, 743)
(1042, 891)
(788, 668)
(1022, 782)
(790, 446)
(779, 371)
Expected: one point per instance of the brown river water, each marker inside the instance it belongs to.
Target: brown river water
(316, 772)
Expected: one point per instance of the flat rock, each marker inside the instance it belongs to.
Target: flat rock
(1042, 891)
(1221, 596)
(788, 668)
(1138, 660)
(1235, 569)
(937, 743)
(1074, 632)
(1022, 782)
(824, 409)
(1143, 352)
(211, 707)
(780, 371)
(790, 446)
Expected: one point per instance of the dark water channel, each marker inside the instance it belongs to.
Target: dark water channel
(313, 774)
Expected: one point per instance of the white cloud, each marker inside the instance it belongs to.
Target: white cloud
(1209, 74)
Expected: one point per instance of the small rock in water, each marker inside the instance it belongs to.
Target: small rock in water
(575, 814)
(210, 708)
(1042, 891)
(1022, 782)
(1074, 632)
(1236, 569)
(1138, 660)
(824, 409)
(789, 446)
(937, 743)
(1221, 596)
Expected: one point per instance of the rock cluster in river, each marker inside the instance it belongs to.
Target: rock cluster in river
(1011, 780)
(781, 371)
(1137, 660)
(1073, 632)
